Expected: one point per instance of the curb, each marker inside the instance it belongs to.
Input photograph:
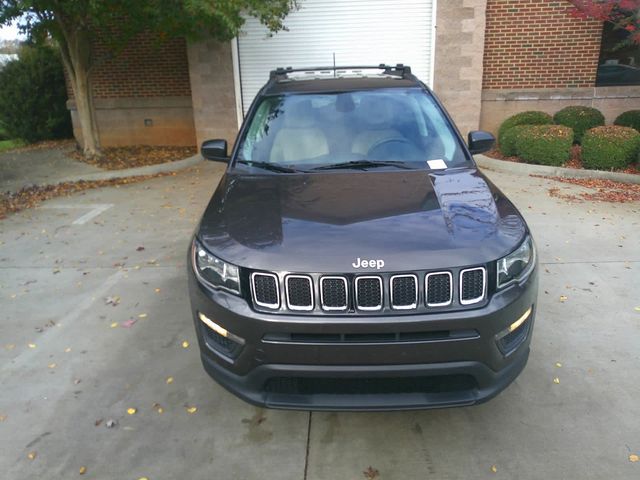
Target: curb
(527, 169)
(134, 172)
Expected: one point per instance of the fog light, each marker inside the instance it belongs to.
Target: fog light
(219, 330)
(519, 322)
(514, 335)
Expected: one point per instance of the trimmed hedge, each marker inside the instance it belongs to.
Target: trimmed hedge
(630, 118)
(508, 144)
(605, 148)
(580, 119)
(545, 144)
(33, 96)
(523, 118)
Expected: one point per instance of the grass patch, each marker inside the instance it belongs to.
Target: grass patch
(10, 144)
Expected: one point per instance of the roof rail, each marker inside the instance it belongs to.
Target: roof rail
(399, 69)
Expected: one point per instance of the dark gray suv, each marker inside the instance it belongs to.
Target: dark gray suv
(353, 257)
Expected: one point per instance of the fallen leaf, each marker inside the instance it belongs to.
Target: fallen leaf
(371, 473)
(111, 423)
(158, 408)
(185, 344)
(3, 417)
(113, 324)
(32, 345)
(56, 270)
(10, 346)
(191, 409)
(143, 478)
(637, 309)
(142, 315)
(132, 411)
(82, 470)
(128, 323)
(169, 380)
(67, 350)
(113, 300)
(559, 365)
(98, 422)
(563, 298)
(32, 455)
(634, 458)
(494, 468)
(157, 290)
(140, 248)
(52, 365)
(556, 380)
(77, 381)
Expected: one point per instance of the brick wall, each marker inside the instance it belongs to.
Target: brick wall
(145, 68)
(535, 44)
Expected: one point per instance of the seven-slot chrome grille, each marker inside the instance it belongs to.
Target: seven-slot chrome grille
(369, 292)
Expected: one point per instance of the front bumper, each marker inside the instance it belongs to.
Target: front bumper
(429, 371)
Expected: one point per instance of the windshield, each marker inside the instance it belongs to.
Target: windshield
(307, 131)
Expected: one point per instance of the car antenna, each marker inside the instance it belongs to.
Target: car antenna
(334, 64)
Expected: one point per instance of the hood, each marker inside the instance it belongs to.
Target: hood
(324, 222)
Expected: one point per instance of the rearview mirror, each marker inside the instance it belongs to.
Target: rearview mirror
(480, 141)
(215, 150)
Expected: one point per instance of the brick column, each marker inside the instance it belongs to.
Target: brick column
(460, 28)
(212, 90)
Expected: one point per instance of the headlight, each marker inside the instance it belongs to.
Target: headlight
(517, 264)
(213, 271)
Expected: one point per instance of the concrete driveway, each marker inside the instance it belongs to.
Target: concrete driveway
(71, 363)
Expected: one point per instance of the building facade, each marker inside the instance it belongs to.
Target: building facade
(485, 59)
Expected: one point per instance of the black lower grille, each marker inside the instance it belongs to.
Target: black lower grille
(369, 293)
(472, 285)
(334, 293)
(369, 386)
(438, 287)
(299, 293)
(404, 291)
(265, 290)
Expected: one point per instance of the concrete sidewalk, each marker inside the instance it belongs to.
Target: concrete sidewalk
(53, 166)
(35, 167)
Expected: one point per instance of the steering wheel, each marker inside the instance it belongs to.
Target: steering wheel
(395, 148)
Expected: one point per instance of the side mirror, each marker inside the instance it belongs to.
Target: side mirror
(215, 150)
(480, 141)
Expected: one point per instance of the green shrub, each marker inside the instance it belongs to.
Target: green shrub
(545, 144)
(33, 96)
(522, 118)
(610, 147)
(629, 119)
(580, 119)
(508, 144)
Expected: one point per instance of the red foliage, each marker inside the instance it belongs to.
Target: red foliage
(623, 14)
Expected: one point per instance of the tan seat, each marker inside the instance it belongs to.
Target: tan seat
(376, 116)
(299, 140)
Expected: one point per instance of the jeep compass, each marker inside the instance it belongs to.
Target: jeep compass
(353, 257)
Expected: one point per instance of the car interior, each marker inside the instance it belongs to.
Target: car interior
(317, 129)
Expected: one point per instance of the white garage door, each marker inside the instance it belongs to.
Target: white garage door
(358, 32)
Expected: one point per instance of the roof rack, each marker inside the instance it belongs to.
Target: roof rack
(400, 70)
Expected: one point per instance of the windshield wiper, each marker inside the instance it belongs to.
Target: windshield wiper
(364, 164)
(274, 167)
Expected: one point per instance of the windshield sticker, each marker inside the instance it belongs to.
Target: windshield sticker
(437, 164)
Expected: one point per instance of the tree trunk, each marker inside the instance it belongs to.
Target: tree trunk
(76, 56)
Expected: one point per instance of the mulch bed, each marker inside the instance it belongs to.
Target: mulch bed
(32, 196)
(605, 190)
(574, 162)
(118, 158)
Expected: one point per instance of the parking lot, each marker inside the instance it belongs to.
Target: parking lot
(95, 321)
